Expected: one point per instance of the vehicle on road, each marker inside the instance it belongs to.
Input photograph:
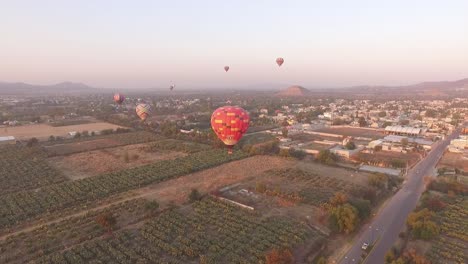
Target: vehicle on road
(364, 246)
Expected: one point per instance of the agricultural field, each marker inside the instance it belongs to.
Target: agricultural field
(25, 169)
(451, 246)
(257, 138)
(83, 144)
(388, 158)
(454, 160)
(92, 163)
(353, 132)
(27, 246)
(208, 231)
(43, 131)
(29, 205)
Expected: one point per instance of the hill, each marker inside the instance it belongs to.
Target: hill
(59, 88)
(294, 90)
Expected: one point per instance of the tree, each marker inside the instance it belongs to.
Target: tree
(404, 142)
(345, 217)
(378, 180)
(382, 114)
(363, 206)
(389, 257)
(32, 142)
(284, 152)
(194, 195)
(325, 156)
(321, 260)
(386, 124)
(106, 220)
(297, 153)
(431, 113)
(338, 199)
(350, 145)
(362, 122)
(284, 132)
(51, 138)
(398, 163)
(404, 122)
(279, 256)
(421, 225)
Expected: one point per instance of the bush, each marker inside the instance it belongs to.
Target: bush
(378, 180)
(32, 142)
(325, 156)
(363, 206)
(194, 195)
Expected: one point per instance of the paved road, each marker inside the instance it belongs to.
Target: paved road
(390, 220)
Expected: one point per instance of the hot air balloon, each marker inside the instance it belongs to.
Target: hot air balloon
(279, 61)
(118, 98)
(143, 111)
(172, 87)
(226, 68)
(230, 123)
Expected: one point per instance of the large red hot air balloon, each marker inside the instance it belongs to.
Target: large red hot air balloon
(118, 98)
(230, 123)
(226, 68)
(143, 111)
(279, 61)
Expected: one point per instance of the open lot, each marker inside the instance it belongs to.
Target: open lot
(91, 163)
(352, 132)
(454, 160)
(43, 131)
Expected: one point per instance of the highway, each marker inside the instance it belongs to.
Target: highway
(391, 218)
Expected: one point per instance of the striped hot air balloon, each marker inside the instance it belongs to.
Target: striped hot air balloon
(143, 111)
(230, 123)
(119, 98)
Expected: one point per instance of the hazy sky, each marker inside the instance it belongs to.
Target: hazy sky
(110, 43)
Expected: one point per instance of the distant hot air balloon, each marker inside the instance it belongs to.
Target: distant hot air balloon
(119, 98)
(172, 87)
(230, 123)
(279, 61)
(143, 111)
(226, 68)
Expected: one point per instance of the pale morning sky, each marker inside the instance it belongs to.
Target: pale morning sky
(125, 44)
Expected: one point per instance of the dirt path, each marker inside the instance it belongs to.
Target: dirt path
(176, 190)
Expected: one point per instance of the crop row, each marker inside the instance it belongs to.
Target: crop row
(21, 206)
(24, 168)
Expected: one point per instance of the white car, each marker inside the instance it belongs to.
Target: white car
(364, 246)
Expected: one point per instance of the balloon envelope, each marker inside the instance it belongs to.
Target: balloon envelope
(226, 68)
(143, 111)
(118, 98)
(230, 123)
(172, 87)
(279, 61)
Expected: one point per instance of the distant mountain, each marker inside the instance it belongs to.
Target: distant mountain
(294, 90)
(59, 88)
